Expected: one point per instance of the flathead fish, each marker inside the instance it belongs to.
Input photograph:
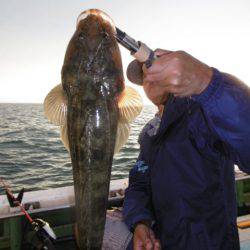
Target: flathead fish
(94, 109)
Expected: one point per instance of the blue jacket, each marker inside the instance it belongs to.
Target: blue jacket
(183, 180)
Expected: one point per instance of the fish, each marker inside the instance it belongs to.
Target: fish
(94, 109)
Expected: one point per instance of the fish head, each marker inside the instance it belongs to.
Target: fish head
(93, 56)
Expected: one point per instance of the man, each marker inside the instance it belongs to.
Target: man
(181, 192)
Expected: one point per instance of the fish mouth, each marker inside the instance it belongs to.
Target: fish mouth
(95, 12)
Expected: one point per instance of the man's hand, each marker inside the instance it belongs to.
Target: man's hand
(175, 72)
(144, 238)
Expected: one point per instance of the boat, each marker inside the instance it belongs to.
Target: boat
(56, 206)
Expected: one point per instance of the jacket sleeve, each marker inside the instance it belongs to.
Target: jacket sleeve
(137, 202)
(226, 104)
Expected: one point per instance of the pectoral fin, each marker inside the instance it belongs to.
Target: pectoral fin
(122, 134)
(123, 131)
(129, 104)
(64, 136)
(55, 106)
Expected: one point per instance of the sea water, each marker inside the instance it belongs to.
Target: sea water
(32, 155)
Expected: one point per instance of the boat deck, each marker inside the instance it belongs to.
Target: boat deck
(56, 206)
(244, 233)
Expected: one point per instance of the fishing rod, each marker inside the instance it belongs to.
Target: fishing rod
(143, 55)
(42, 229)
(140, 51)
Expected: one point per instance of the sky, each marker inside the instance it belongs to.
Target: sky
(34, 36)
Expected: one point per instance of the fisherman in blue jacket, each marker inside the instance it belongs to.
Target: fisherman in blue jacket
(181, 193)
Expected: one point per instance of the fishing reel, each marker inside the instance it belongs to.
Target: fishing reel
(44, 237)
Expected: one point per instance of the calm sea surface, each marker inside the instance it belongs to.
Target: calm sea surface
(32, 155)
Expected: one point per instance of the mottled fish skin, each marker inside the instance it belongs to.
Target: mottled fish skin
(92, 79)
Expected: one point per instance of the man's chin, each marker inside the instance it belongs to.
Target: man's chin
(159, 100)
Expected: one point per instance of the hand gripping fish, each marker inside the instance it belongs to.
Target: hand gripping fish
(94, 109)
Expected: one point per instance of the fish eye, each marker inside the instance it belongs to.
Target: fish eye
(105, 35)
(81, 36)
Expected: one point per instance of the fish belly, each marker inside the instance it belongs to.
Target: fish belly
(92, 132)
